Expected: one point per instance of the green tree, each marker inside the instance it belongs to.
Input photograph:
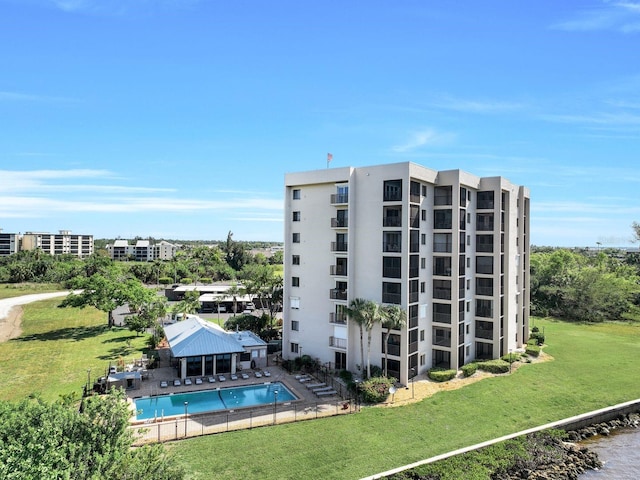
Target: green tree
(366, 313)
(190, 303)
(53, 440)
(393, 318)
(106, 293)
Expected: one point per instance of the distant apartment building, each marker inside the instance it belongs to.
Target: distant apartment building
(141, 250)
(62, 243)
(9, 243)
(448, 247)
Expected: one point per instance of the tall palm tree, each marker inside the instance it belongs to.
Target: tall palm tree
(234, 291)
(355, 311)
(393, 318)
(366, 313)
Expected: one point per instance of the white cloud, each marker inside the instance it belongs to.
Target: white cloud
(623, 17)
(475, 106)
(6, 96)
(422, 138)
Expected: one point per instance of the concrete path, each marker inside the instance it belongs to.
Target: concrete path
(10, 322)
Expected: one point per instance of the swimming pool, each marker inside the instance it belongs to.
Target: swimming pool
(211, 400)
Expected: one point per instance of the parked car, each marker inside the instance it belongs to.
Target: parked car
(222, 309)
(249, 306)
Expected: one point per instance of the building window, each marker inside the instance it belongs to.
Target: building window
(423, 263)
(295, 259)
(295, 325)
(423, 238)
(422, 335)
(296, 194)
(294, 302)
(422, 359)
(442, 219)
(295, 281)
(484, 222)
(296, 238)
(294, 347)
(296, 216)
(392, 191)
(485, 200)
(442, 266)
(392, 216)
(392, 267)
(484, 265)
(442, 242)
(392, 242)
(443, 195)
(423, 287)
(424, 190)
(423, 215)
(391, 293)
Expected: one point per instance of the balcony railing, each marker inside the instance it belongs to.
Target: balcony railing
(442, 341)
(392, 350)
(340, 270)
(392, 247)
(391, 221)
(339, 198)
(488, 291)
(442, 317)
(339, 222)
(392, 272)
(337, 319)
(394, 298)
(340, 343)
(335, 294)
(413, 347)
(484, 333)
(442, 293)
(338, 246)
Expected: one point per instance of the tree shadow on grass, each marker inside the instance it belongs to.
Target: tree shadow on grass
(69, 333)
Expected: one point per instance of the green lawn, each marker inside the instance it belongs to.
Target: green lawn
(57, 347)
(8, 290)
(593, 367)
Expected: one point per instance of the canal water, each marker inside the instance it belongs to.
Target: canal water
(620, 453)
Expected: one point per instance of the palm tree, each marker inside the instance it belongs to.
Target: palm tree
(355, 311)
(234, 291)
(393, 318)
(366, 313)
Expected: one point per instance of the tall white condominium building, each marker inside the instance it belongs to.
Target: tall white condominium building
(450, 248)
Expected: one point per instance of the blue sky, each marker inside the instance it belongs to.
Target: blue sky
(179, 118)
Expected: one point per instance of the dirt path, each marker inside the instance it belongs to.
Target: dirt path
(11, 312)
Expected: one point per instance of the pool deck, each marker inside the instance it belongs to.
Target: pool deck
(307, 400)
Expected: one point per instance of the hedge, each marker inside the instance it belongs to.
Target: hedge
(440, 375)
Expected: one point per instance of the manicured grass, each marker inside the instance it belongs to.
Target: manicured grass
(9, 290)
(57, 347)
(594, 366)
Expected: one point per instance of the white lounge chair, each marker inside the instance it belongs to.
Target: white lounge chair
(177, 382)
(311, 386)
(325, 393)
(187, 381)
(258, 375)
(164, 384)
(267, 373)
(321, 389)
(198, 381)
(222, 378)
(212, 379)
(233, 376)
(245, 376)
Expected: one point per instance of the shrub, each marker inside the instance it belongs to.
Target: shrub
(538, 336)
(375, 390)
(510, 357)
(494, 366)
(165, 281)
(535, 329)
(469, 369)
(206, 280)
(533, 350)
(186, 280)
(441, 375)
(346, 375)
(376, 371)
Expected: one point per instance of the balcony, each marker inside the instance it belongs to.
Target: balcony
(442, 318)
(391, 272)
(338, 246)
(392, 349)
(335, 294)
(391, 247)
(337, 319)
(442, 293)
(339, 270)
(394, 298)
(442, 341)
(484, 333)
(340, 343)
(339, 198)
(391, 221)
(339, 223)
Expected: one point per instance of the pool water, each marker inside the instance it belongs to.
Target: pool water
(211, 400)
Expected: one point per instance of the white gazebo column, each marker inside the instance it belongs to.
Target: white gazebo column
(233, 362)
(183, 368)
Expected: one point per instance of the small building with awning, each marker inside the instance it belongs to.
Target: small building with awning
(202, 348)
